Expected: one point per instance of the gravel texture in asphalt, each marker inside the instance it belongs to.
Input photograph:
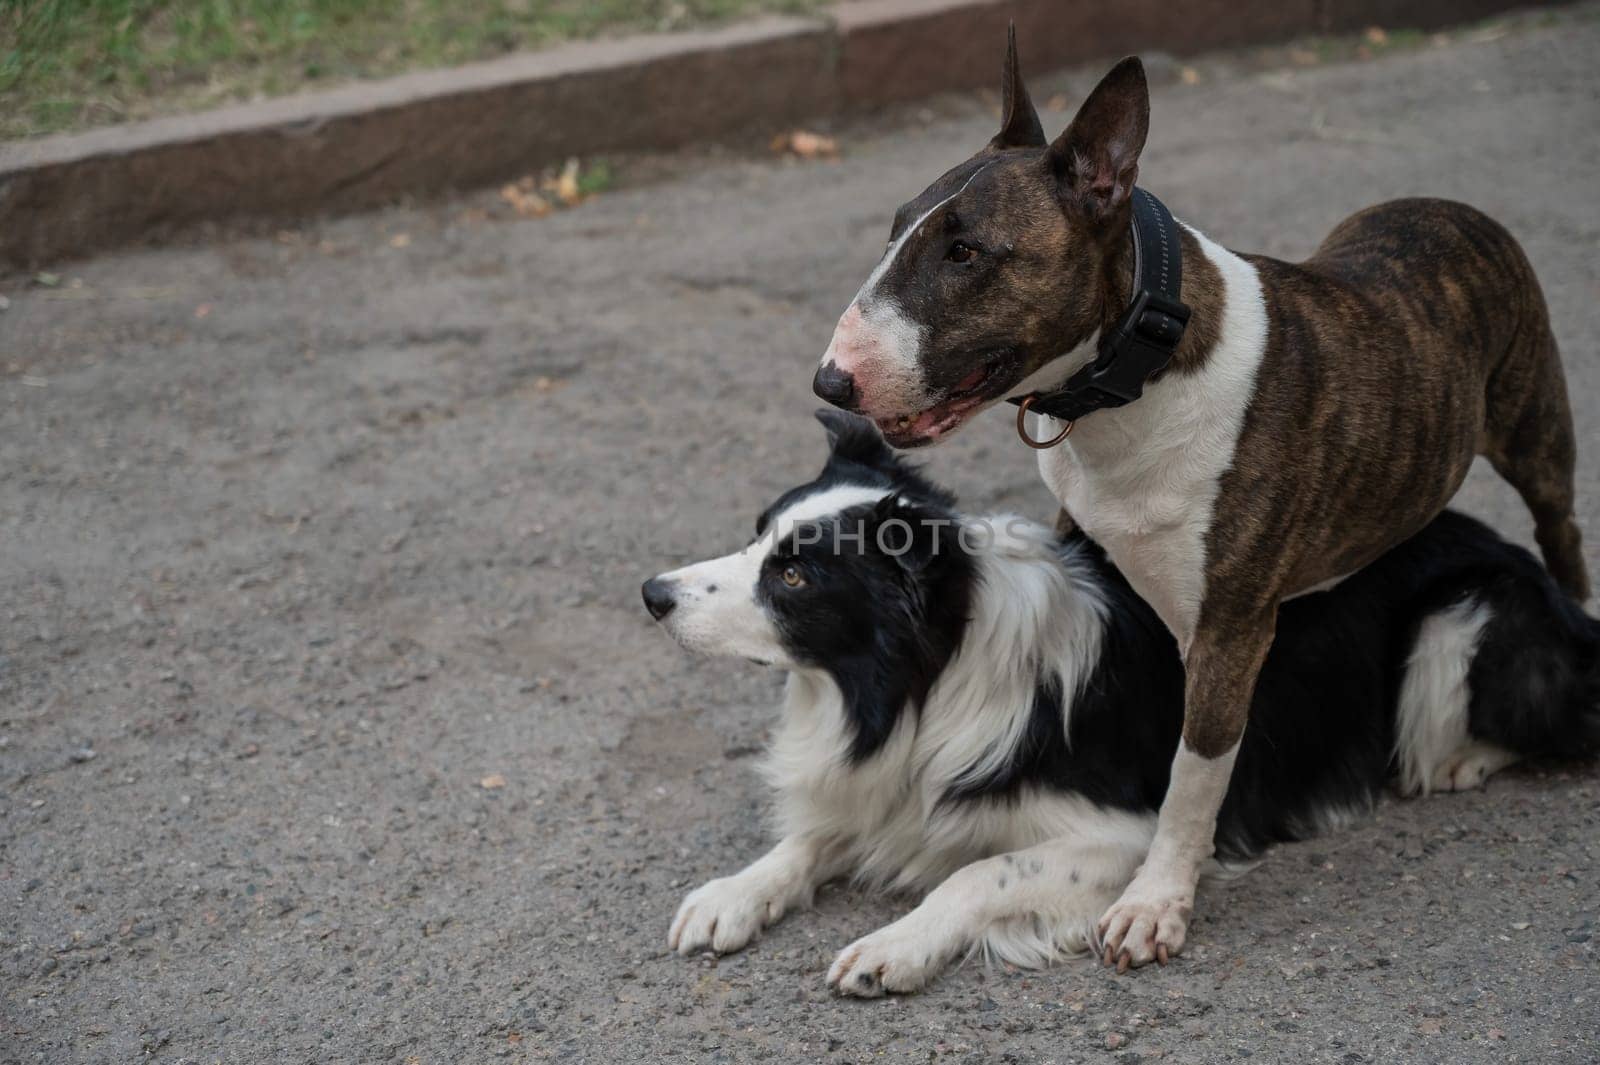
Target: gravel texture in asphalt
(332, 729)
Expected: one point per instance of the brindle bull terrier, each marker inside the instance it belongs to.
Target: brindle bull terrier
(1313, 415)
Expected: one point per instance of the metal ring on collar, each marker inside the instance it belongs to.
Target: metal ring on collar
(1022, 428)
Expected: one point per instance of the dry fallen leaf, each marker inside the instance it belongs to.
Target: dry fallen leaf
(400, 240)
(1497, 1033)
(805, 144)
(1377, 35)
(524, 201)
(203, 310)
(813, 145)
(492, 782)
(1058, 102)
(1189, 76)
(564, 186)
(1431, 1026)
(1303, 56)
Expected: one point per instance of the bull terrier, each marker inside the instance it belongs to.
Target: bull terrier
(1277, 427)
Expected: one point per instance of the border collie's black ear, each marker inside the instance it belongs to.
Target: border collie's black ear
(903, 531)
(853, 437)
(1019, 122)
(855, 440)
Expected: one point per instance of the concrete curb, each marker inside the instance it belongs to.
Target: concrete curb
(426, 133)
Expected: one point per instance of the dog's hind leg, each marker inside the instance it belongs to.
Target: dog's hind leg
(1530, 442)
(1028, 908)
(1471, 766)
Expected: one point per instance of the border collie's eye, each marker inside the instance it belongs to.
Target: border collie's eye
(961, 252)
(792, 576)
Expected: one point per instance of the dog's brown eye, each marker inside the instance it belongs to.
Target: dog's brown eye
(792, 576)
(961, 252)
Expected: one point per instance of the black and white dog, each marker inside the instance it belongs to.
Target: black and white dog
(977, 707)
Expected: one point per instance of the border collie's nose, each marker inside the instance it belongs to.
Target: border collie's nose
(659, 597)
(835, 386)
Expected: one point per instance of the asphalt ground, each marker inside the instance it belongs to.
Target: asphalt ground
(332, 729)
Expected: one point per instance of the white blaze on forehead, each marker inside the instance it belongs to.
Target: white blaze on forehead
(819, 506)
(875, 342)
(893, 253)
(744, 565)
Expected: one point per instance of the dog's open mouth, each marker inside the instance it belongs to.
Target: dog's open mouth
(969, 395)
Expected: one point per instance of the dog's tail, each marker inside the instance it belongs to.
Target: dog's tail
(1535, 674)
(1507, 667)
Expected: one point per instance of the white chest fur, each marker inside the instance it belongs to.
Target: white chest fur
(1143, 480)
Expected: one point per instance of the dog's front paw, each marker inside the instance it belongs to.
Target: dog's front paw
(903, 956)
(723, 915)
(1144, 925)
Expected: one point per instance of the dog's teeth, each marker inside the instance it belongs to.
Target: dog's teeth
(904, 421)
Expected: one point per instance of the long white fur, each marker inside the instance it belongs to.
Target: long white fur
(1431, 727)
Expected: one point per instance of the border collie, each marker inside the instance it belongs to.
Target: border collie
(979, 708)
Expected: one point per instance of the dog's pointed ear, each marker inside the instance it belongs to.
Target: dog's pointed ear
(1019, 122)
(909, 534)
(853, 437)
(1095, 161)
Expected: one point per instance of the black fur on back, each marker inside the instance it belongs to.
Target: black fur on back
(1321, 735)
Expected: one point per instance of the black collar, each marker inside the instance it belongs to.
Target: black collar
(1144, 338)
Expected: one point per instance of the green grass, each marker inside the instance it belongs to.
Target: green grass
(70, 64)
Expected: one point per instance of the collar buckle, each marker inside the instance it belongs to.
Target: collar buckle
(1162, 321)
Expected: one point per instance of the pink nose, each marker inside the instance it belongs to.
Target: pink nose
(851, 344)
